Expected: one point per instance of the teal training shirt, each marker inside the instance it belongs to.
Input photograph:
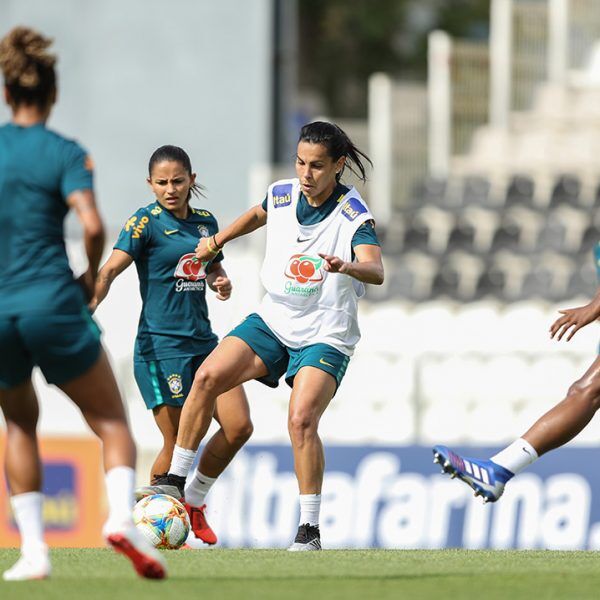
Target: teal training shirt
(311, 215)
(174, 319)
(38, 170)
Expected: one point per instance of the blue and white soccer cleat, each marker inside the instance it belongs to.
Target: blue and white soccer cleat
(484, 476)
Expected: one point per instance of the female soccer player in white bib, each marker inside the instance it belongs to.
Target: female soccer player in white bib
(321, 250)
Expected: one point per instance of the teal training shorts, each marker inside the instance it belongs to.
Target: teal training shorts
(63, 346)
(167, 381)
(280, 359)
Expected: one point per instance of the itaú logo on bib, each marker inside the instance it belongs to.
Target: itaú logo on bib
(190, 268)
(303, 269)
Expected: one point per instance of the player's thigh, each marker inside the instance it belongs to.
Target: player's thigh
(16, 362)
(323, 357)
(312, 392)
(95, 392)
(64, 346)
(19, 405)
(232, 363)
(270, 353)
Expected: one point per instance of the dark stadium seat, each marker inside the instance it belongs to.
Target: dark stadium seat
(520, 191)
(566, 191)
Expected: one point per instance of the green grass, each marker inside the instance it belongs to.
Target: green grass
(272, 574)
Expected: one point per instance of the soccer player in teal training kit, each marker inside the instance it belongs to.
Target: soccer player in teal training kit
(174, 332)
(321, 250)
(554, 429)
(44, 319)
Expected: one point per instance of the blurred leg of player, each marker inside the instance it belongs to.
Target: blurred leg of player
(233, 414)
(312, 392)
(24, 475)
(554, 429)
(97, 396)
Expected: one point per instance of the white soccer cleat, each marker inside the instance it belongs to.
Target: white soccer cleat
(29, 567)
(146, 560)
(307, 539)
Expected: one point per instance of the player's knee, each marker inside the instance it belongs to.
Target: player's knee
(301, 425)
(207, 379)
(587, 392)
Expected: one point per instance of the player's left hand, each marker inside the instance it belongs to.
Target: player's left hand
(573, 319)
(222, 286)
(333, 264)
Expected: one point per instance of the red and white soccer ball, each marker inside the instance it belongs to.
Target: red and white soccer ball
(162, 520)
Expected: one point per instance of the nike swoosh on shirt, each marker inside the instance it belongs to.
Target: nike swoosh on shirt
(323, 362)
(171, 231)
(299, 240)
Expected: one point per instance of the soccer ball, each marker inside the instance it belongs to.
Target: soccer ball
(162, 520)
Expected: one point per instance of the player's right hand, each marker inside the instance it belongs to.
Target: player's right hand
(202, 251)
(573, 319)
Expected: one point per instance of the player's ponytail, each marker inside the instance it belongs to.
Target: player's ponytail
(338, 144)
(27, 67)
(175, 154)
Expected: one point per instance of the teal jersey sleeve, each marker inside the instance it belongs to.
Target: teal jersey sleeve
(77, 173)
(135, 234)
(365, 234)
(265, 204)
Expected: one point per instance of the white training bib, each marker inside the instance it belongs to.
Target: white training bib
(305, 304)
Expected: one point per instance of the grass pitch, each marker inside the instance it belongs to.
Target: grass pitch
(363, 574)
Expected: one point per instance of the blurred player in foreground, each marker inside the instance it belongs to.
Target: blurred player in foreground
(174, 333)
(554, 429)
(44, 319)
(321, 249)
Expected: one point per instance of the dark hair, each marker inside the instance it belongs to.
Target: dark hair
(175, 154)
(338, 144)
(27, 67)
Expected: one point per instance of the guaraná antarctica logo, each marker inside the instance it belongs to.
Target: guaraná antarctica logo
(190, 274)
(303, 269)
(190, 268)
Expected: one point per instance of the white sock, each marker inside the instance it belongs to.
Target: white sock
(182, 461)
(196, 491)
(517, 456)
(27, 509)
(310, 506)
(120, 483)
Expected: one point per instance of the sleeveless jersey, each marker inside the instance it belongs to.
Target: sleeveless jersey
(305, 304)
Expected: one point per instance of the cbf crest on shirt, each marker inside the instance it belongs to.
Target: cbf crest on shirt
(174, 319)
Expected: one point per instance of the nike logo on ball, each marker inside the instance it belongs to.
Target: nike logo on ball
(170, 231)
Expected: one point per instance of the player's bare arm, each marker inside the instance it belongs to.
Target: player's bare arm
(250, 221)
(368, 268)
(574, 319)
(219, 282)
(84, 204)
(112, 268)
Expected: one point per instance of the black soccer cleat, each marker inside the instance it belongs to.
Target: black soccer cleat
(171, 485)
(308, 538)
